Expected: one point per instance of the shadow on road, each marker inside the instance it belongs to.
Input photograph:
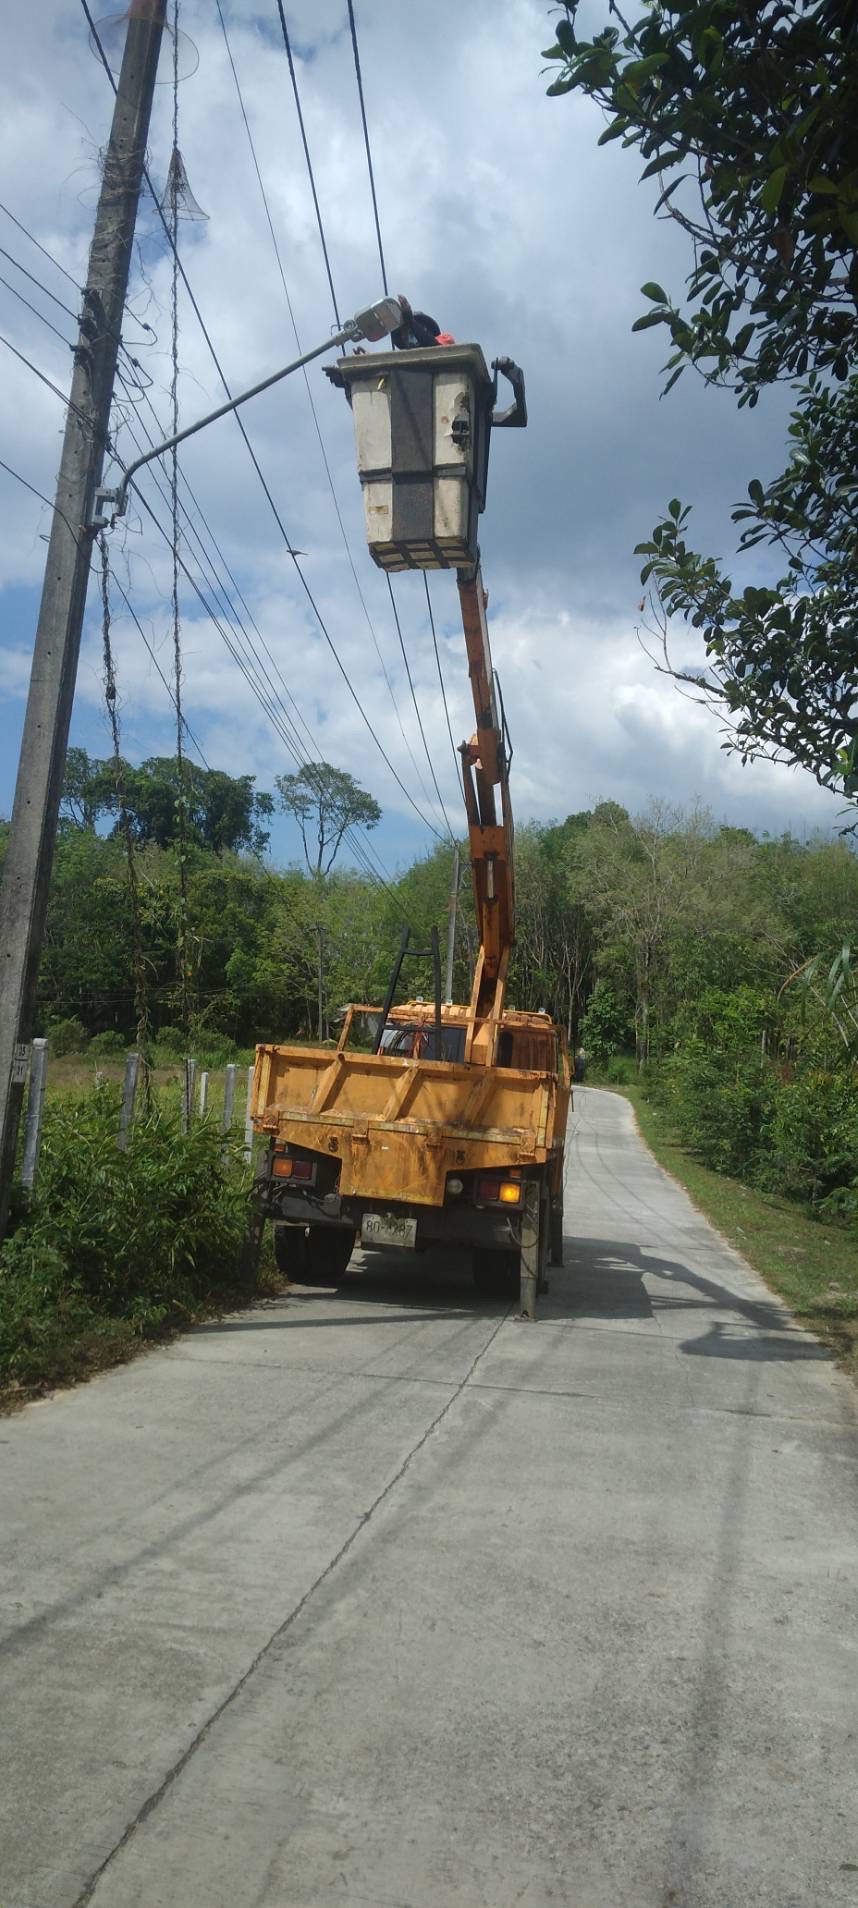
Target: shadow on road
(606, 1278)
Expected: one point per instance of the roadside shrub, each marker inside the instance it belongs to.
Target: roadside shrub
(812, 1141)
(621, 1070)
(66, 1036)
(109, 1044)
(718, 1105)
(147, 1236)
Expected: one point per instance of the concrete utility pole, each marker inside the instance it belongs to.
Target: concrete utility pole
(23, 902)
(451, 930)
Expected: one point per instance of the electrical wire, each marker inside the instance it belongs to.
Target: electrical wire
(42, 375)
(241, 662)
(275, 701)
(292, 75)
(416, 705)
(366, 140)
(368, 870)
(239, 421)
(456, 756)
(33, 280)
(26, 485)
(371, 173)
(39, 246)
(36, 312)
(299, 347)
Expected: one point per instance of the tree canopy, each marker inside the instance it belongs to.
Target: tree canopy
(222, 812)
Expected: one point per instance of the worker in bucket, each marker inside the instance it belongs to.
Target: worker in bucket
(417, 330)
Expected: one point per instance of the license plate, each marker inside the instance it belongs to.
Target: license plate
(386, 1229)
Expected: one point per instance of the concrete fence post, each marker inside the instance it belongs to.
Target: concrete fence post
(204, 1093)
(228, 1097)
(190, 1074)
(129, 1095)
(35, 1112)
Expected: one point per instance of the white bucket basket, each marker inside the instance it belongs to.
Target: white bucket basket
(422, 422)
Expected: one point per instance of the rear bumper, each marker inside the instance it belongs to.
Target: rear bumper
(450, 1225)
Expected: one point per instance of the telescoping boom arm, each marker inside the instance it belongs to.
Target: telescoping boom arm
(485, 779)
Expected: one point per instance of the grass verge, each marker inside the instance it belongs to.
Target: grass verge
(811, 1264)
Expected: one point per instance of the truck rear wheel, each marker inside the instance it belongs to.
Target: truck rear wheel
(290, 1251)
(329, 1249)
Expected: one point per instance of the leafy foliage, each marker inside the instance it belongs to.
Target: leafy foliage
(143, 1237)
(783, 657)
(758, 109)
(222, 812)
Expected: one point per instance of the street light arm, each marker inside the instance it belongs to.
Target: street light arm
(373, 323)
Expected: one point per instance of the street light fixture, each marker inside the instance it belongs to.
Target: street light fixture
(372, 323)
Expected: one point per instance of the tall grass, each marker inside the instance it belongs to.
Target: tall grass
(117, 1245)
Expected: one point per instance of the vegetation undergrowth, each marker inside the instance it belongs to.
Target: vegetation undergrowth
(811, 1262)
(118, 1248)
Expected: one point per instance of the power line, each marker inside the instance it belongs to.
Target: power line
(368, 870)
(366, 140)
(318, 428)
(239, 421)
(42, 375)
(36, 312)
(33, 280)
(456, 756)
(291, 740)
(51, 506)
(57, 267)
(371, 172)
(239, 659)
(416, 705)
(39, 246)
(293, 78)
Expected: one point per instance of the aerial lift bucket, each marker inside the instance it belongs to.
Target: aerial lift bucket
(422, 426)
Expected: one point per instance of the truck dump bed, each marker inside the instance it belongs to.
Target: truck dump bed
(399, 1126)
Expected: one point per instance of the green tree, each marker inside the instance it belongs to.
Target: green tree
(748, 119)
(325, 802)
(223, 812)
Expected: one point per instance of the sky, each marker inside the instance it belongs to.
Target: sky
(501, 217)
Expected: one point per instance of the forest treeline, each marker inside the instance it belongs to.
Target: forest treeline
(714, 961)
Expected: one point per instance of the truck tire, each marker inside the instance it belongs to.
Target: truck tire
(329, 1249)
(495, 1271)
(290, 1251)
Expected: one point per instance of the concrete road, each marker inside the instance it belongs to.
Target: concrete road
(382, 1597)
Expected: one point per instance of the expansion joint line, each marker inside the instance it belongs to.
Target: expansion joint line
(152, 1802)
